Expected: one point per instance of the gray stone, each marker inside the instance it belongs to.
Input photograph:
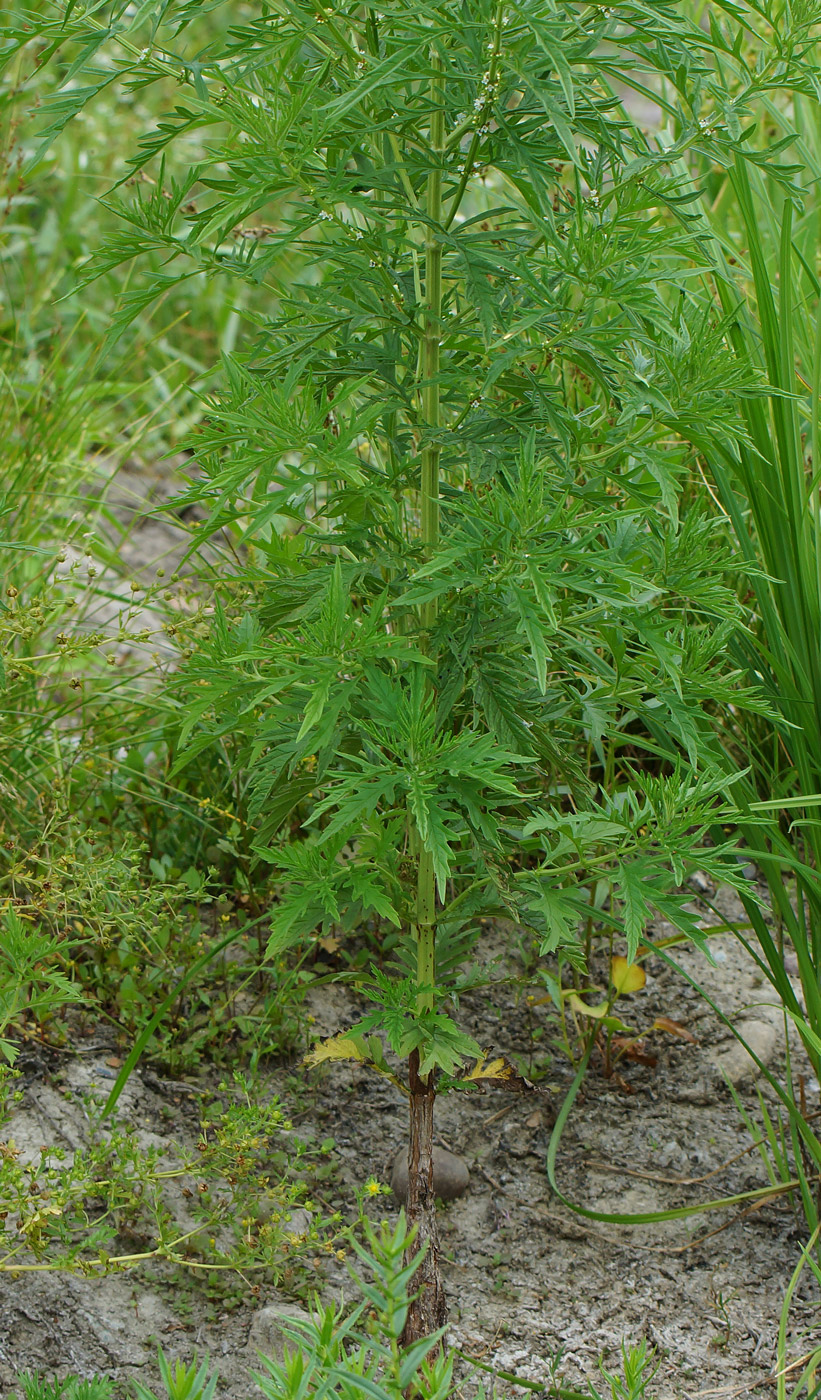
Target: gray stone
(701, 1091)
(267, 1333)
(451, 1177)
(761, 1034)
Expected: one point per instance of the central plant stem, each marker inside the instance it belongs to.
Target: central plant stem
(428, 1311)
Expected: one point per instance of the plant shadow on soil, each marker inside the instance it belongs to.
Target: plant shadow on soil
(526, 1278)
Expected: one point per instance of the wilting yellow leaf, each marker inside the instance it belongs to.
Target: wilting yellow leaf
(338, 1047)
(365, 1049)
(626, 977)
(500, 1068)
(498, 1071)
(582, 1009)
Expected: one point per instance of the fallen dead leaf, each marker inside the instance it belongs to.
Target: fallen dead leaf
(634, 1050)
(663, 1023)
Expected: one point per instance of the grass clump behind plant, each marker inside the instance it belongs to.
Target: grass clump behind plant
(761, 227)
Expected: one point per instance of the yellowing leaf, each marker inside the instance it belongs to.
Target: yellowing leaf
(582, 1009)
(338, 1047)
(500, 1068)
(498, 1071)
(626, 976)
(366, 1050)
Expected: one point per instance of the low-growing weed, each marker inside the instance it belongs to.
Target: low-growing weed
(638, 1373)
(239, 1198)
(36, 1387)
(181, 1381)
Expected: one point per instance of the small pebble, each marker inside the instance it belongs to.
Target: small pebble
(451, 1177)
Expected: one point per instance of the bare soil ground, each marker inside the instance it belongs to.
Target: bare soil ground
(533, 1288)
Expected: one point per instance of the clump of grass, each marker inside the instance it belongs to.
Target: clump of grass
(768, 488)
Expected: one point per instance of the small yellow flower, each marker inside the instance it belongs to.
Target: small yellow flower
(372, 1187)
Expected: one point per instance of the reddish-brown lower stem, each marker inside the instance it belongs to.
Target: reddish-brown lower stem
(428, 1311)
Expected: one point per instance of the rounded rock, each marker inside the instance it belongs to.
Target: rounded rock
(760, 1035)
(451, 1177)
(269, 1334)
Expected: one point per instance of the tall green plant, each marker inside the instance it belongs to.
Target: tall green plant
(481, 636)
